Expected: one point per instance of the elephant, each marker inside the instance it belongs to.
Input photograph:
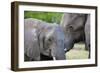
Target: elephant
(43, 40)
(76, 27)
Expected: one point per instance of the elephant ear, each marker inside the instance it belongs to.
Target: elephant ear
(31, 46)
(33, 51)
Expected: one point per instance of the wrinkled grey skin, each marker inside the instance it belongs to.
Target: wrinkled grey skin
(76, 28)
(43, 38)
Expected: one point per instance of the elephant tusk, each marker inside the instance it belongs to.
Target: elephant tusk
(54, 58)
(65, 50)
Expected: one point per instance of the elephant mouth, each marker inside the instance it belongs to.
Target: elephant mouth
(48, 55)
(45, 57)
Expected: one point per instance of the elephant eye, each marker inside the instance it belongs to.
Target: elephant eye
(50, 40)
(71, 27)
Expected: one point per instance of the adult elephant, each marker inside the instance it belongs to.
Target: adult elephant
(76, 27)
(42, 38)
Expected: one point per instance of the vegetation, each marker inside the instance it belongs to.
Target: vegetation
(52, 17)
(78, 52)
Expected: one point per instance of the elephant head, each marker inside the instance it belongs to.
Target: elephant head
(53, 43)
(43, 38)
(73, 25)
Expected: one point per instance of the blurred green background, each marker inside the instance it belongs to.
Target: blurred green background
(51, 17)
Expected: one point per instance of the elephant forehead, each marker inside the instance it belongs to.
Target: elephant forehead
(55, 32)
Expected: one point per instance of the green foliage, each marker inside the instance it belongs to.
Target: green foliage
(52, 17)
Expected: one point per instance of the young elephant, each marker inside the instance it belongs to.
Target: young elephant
(43, 38)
